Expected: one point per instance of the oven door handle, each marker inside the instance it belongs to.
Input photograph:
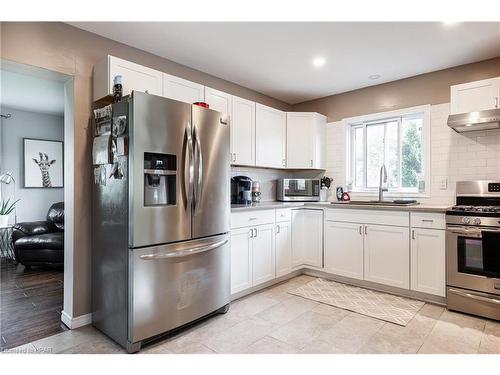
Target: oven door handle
(475, 297)
(470, 232)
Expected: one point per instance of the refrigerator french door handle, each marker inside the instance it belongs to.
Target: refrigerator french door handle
(199, 183)
(184, 253)
(188, 188)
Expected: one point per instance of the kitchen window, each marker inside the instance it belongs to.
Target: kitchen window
(398, 139)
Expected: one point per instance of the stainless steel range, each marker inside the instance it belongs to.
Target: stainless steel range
(473, 249)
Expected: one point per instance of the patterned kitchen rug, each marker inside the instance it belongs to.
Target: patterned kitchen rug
(383, 306)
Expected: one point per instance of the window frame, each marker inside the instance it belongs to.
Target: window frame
(352, 123)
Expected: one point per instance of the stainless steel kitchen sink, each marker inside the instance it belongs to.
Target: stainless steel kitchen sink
(383, 203)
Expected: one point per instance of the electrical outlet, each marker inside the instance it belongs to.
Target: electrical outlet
(444, 184)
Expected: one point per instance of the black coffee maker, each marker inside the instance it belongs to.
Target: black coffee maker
(241, 190)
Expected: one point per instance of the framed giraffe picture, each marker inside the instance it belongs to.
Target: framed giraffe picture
(43, 163)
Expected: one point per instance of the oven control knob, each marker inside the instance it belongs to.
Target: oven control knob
(466, 220)
(476, 221)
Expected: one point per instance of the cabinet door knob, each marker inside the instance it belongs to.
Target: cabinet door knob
(361, 229)
(496, 102)
(251, 233)
(277, 228)
(366, 229)
(255, 232)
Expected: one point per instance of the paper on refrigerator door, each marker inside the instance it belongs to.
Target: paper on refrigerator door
(101, 150)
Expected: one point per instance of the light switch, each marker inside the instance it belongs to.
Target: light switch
(444, 184)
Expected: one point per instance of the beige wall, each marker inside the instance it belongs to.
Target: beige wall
(65, 49)
(429, 88)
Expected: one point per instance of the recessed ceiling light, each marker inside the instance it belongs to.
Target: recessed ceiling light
(449, 23)
(374, 76)
(318, 62)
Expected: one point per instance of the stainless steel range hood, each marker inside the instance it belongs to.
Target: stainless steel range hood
(472, 121)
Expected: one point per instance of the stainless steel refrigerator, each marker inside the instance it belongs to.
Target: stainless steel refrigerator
(160, 251)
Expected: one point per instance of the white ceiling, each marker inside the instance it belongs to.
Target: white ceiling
(28, 93)
(276, 58)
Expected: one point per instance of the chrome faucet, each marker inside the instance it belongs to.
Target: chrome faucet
(383, 180)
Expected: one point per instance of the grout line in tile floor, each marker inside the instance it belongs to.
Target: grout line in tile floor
(430, 331)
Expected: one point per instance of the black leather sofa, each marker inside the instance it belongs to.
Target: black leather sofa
(41, 243)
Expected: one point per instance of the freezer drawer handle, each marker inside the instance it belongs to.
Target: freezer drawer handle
(472, 296)
(184, 253)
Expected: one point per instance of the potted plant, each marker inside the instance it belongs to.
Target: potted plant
(5, 209)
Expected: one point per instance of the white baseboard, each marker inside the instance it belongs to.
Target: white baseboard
(77, 322)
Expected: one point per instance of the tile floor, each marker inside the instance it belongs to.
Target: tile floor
(273, 321)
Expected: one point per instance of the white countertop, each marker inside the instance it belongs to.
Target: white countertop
(346, 205)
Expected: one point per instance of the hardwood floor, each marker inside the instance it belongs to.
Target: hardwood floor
(30, 303)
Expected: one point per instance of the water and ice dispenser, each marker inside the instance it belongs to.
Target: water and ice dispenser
(160, 179)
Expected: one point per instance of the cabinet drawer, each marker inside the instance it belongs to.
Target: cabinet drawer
(351, 215)
(252, 218)
(428, 220)
(283, 214)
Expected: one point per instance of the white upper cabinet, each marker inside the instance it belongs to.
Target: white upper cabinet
(270, 135)
(218, 100)
(182, 90)
(344, 249)
(306, 140)
(134, 77)
(387, 255)
(475, 96)
(242, 131)
(428, 261)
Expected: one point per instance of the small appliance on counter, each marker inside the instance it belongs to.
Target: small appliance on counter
(241, 190)
(298, 189)
(256, 194)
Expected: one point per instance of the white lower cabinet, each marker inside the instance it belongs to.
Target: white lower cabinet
(252, 256)
(283, 240)
(283, 248)
(344, 249)
(387, 255)
(241, 259)
(428, 261)
(307, 237)
(263, 256)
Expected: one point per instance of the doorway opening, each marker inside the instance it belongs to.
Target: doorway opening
(36, 161)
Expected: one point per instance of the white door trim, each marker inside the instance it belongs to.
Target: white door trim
(79, 321)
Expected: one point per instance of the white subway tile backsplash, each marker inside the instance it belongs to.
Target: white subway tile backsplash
(268, 177)
(454, 156)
